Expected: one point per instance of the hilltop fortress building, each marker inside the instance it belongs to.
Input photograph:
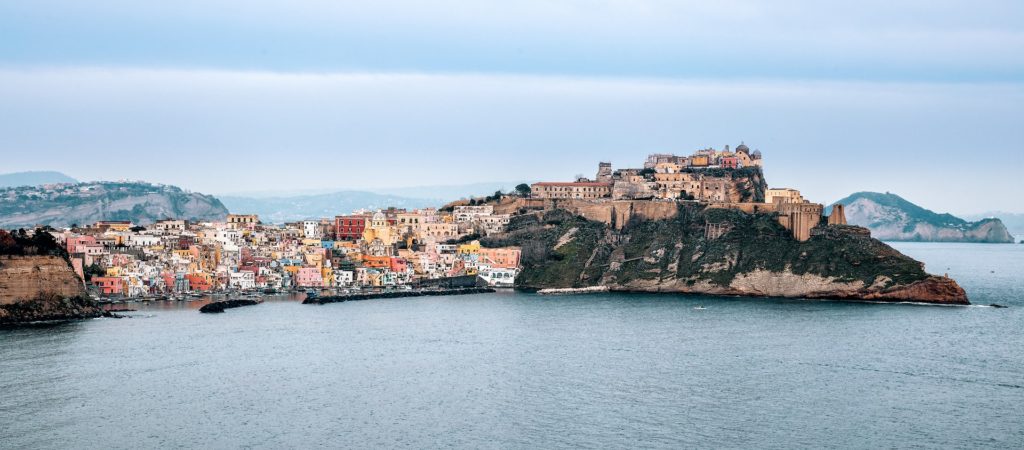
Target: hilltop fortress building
(720, 179)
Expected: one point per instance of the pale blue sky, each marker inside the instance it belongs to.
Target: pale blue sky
(922, 98)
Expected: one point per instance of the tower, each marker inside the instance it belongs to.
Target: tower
(838, 216)
(604, 172)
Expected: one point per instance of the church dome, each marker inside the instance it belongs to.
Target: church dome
(743, 148)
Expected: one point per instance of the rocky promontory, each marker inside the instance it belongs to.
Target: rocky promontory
(37, 283)
(41, 288)
(754, 256)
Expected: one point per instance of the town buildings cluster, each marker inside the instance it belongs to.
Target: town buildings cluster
(393, 247)
(398, 247)
(663, 176)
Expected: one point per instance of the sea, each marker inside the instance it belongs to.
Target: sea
(515, 370)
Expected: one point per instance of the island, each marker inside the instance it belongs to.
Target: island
(893, 218)
(706, 223)
(703, 223)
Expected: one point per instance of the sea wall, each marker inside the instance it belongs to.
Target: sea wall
(614, 213)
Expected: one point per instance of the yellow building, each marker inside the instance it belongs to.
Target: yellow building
(379, 228)
(782, 195)
(314, 258)
(237, 221)
(471, 248)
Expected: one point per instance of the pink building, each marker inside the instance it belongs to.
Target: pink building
(398, 265)
(76, 244)
(309, 277)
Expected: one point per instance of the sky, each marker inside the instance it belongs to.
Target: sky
(921, 98)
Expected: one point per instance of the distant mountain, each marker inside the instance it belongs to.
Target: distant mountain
(1013, 221)
(893, 218)
(84, 203)
(33, 178)
(299, 207)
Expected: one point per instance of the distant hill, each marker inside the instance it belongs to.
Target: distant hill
(893, 218)
(33, 178)
(84, 203)
(299, 207)
(1013, 221)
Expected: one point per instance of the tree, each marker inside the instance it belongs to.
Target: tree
(523, 190)
(94, 270)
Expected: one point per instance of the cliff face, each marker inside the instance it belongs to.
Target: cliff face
(38, 287)
(83, 203)
(754, 256)
(892, 218)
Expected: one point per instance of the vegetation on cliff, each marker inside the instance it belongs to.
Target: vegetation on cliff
(20, 243)
(561, 250)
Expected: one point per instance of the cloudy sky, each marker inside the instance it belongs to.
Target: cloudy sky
(921, 98)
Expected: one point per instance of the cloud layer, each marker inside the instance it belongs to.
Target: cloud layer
(940, 40)
(219, 131)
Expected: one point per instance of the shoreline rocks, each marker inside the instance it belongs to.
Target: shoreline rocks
(219, 307)
(49, 308)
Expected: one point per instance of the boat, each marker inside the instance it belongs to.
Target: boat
(699, 307)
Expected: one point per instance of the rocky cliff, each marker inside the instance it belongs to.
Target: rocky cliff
(746, 254)
(892, 218)
(41, 287)
(84, 203)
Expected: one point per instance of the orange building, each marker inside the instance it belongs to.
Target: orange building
(377, 262)
(197, 282)
(504, 258)
(109, 285)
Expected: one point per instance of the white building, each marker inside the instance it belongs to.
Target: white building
(242, 280)
(468, 213)
(492, 224)
(497, 277)
(311, 229)
(344, 278)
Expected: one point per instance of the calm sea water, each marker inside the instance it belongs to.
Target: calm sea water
(521, 371)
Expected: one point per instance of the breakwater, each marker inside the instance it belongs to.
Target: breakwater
(395, 294)
(219, 307)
